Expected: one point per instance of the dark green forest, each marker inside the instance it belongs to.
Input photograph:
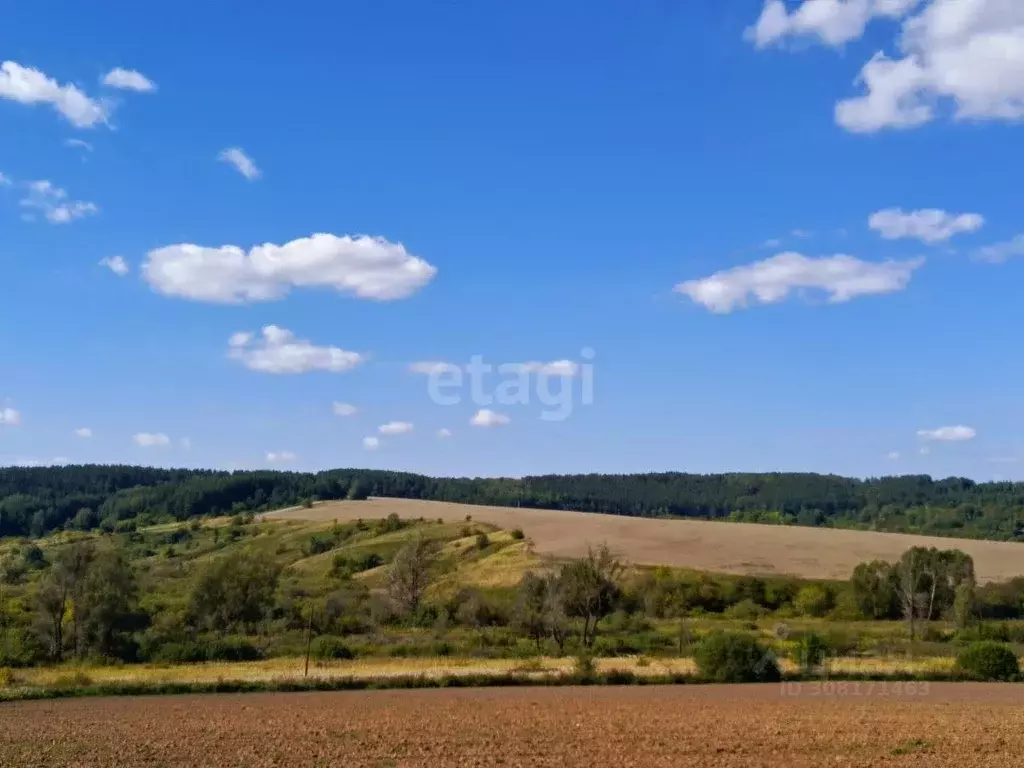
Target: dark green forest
(38, 500)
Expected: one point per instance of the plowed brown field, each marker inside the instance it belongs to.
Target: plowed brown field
(940, 725)
(812, 553)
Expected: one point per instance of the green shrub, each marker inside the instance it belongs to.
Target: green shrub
(733, 657)
(988, 661)
(517, 534)
(811, 650)
(746, 609)
(328, 647)
(482, 541)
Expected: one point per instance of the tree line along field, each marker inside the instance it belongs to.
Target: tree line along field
(934, 724)
(35, 501)
(252, 590)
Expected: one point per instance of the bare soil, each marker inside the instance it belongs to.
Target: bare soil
(862, 725)
(741, 548)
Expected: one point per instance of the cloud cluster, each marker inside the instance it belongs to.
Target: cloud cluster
(280, 457)
(53, 203)
(83, 432)
(955, 434)
(278, 351)
(26, 85)
(929, 225)
(1000, 252)
(366, 267)
(395, 428)
(151, 439)
(128, 80)
(833, 22)
(488, 418)
(965, 53)
(115, 264)
(770, 281)
(9, 417)
(371, 443)
(241, 162)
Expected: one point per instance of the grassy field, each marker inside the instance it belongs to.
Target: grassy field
(738, 548)
(867, 725)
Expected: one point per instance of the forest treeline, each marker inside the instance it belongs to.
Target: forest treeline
(38, 500)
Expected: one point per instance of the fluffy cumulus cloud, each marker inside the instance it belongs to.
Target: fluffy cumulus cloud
(955, 434)
(115, 264)
(928, 225)
(833, 22)
(443, 433)
(241, 162)
(53, 203)
(83, 432)
(277, 350)
(362, 266)
(1000, 252)
(770, 281)
(963, 56)
(151, 439)
(488, 418)
(128, 80)
(395, 428)
(343, 409)
(9, 417)
(30, 86)
(280, 457)
(371, 443)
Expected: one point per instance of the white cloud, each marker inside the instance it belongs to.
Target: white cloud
(371, 443)
(948, 434)
(128, 80)
(241, 162)
(343, 409)
(78, 144)
(5, 181)
(26, 85)
(832, 22)
(773, 242)
(928, 225)
(1000, 252)
(969, 53)
(185, 443)
(766, 282)
(115, 264)
(395, 428)
(278, 351)
(9, 417)
(556, 368)
(430, 368)
(83, 432)
(151, 439)
(54, 204)
(893, 455)
(443, 433)
(280, 457)
(803, 234)
(366, 267)
(488, 418)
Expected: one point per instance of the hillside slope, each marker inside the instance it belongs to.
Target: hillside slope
(739, 548)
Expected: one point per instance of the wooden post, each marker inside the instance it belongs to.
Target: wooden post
(309, 640)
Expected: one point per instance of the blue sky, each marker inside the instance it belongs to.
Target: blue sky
(775, 266)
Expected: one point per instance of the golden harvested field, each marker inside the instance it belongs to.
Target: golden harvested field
(863, 725)
(707, 546)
